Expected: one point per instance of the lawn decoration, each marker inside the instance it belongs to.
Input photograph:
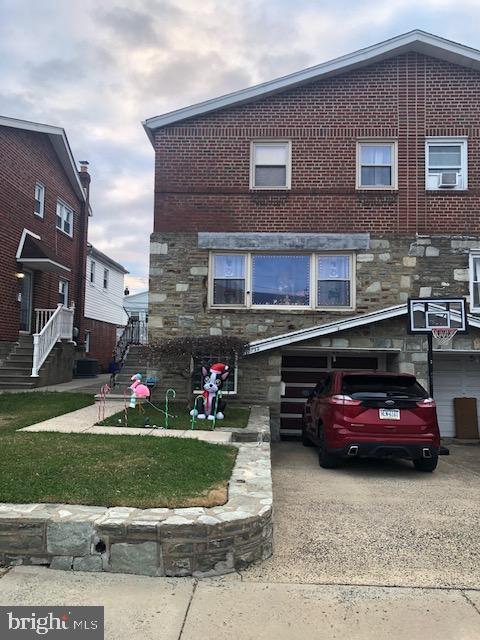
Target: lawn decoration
(139, 390)
(210, 405)
(102, 401)
(172, 393)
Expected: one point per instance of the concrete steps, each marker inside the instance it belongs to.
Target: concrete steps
(17, 368)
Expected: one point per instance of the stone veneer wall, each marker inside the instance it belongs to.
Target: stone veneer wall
(157, 542)
(388, 273)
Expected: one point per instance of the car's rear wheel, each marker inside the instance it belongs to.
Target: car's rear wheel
(305, 439)
(426, 464)
(326, 459)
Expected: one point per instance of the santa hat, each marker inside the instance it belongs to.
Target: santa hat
(219, 367)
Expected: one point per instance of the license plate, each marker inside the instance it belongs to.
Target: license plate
(389, 414)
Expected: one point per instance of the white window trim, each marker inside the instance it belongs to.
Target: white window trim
(42, 201)
(288, 176)
(235, 380)
(64, 204)
(67, 290)
(87, 340)
(313, 281)
(377, 143)
(473, 255)
(461, 140)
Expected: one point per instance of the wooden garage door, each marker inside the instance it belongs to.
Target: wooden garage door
(301, 372)
(454, 376)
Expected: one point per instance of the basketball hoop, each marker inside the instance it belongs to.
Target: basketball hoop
(443, 335)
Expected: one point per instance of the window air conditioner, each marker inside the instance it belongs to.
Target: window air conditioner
(448, 180)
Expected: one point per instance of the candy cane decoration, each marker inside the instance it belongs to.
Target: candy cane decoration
(102, 402)
(173, 394)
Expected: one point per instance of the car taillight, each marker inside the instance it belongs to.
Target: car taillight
(344, 400)
(428, 402)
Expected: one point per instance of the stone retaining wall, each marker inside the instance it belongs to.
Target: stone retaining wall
(156, 542)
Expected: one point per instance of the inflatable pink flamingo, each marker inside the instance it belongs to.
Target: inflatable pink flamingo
(139, 390)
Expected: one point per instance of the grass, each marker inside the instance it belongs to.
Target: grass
(134, 471)
(235, 417)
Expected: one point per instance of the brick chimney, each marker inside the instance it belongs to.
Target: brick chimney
(85, 177)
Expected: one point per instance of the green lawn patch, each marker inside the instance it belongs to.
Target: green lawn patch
(19, 410)
(133, 471)
(235, 417)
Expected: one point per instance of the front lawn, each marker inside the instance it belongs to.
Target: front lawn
(132, 471)
(235, 417)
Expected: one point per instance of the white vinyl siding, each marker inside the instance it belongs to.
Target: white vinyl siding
(454, 376)
(102, 304)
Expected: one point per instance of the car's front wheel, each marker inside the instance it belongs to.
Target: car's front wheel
(426, 464)
(326, 459)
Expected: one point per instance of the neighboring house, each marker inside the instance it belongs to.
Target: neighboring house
(104, 312)
(302, 213)
(44, 211)
(136, 305)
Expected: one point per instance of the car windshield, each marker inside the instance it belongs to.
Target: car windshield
(365, 386)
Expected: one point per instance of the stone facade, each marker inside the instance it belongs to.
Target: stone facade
(156, 542)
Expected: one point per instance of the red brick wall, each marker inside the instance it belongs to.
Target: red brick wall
(202, 165)
(103, 338)
(25, 158)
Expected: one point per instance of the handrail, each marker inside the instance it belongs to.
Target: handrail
(59, 326)
(42, 316)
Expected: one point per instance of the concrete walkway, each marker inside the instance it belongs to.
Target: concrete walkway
(83, 421)
(80, 385)
(229, 608)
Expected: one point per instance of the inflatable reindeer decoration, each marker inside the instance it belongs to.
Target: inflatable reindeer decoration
(210, 404)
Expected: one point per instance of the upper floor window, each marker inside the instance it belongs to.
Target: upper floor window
(282, 280)
(64, 218)
(39, 200)
(376, 165)
(446, 164)
(105, 278)
(475, 282)
(270, 165)
(92, 271)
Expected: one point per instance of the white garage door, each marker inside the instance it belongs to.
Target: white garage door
(454, 376)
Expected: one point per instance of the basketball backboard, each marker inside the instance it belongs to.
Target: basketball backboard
(425, 314)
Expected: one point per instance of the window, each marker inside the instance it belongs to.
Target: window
(92, 271)
(87, 341)
(333, 284)
(39, 200)
(229, 279)
(475, 282)
(229, 386)
(270, 165)
(105, 278)
(376, 165)
(64, 218)
(446, 164)
(272, 280)
(63, 292)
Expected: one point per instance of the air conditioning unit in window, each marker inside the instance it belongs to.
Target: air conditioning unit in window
(448, 180)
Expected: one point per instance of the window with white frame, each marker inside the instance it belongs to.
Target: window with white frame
(270, 165)
(39, 200)
(475, 282)
(229, 386)
(376, 165)
(64, 218)
(92, 271)
(105, 278)
(446, 164)
(272, 280)
(87, 341)
(63, 292)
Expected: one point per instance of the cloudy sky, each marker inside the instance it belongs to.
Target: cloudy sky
(98, 68)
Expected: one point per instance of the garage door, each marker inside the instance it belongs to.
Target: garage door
(454, 376)
(302, 371)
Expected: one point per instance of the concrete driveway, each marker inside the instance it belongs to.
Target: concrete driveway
(374, 550)
(375, 522)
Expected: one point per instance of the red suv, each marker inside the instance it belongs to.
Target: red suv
(371, 414)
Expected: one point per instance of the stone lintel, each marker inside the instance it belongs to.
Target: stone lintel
(284, 241)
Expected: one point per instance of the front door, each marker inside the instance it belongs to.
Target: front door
(26, 302)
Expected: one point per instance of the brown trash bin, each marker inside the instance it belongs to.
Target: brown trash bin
(466, 419)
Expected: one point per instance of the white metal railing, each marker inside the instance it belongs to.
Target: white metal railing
(59, 326)
(42, 316)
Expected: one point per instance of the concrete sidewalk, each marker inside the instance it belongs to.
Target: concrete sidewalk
(83, 421)
(81, 385)
(140, 608)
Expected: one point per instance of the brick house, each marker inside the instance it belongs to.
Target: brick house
(105, 316)
(302, 213)
(44, 209)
